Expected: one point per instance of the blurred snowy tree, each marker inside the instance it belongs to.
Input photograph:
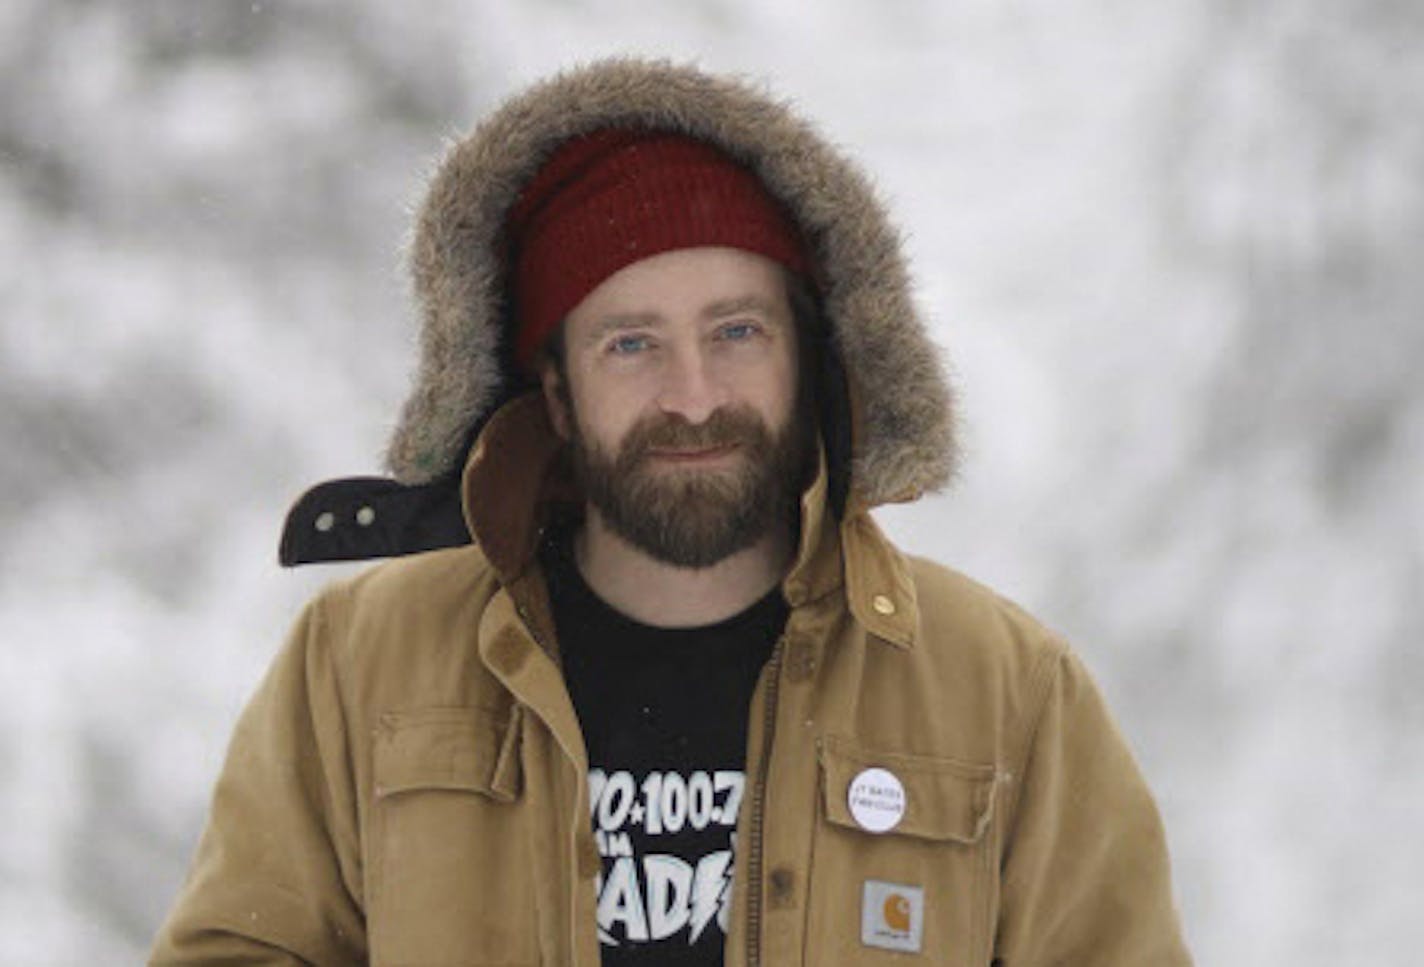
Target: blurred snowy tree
(1292, 156)
(199, 215)
(1296, 180)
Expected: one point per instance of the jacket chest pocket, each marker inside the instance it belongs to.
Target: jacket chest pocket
(902, 868)
(449, 861)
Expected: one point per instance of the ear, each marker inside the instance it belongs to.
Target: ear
(556, 397)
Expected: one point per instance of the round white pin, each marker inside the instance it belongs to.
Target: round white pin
(877, 800)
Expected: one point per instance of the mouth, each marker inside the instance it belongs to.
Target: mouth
(698, 455)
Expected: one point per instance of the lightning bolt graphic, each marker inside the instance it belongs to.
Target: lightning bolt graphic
(709, 887)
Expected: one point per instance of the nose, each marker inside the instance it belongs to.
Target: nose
(690, 387)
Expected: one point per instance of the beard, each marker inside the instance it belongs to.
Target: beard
(694, 517)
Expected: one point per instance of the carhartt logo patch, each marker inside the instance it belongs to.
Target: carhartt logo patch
(892, 916)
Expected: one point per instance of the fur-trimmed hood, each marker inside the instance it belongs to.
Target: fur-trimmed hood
(902, 441)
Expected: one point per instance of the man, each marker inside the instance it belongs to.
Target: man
(680, 701)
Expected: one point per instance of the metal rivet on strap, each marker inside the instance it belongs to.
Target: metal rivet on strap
(325, 521)
(366, 516)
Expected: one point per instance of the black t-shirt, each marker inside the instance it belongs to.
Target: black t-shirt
(664, 715)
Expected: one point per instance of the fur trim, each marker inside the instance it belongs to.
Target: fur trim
(903, 435)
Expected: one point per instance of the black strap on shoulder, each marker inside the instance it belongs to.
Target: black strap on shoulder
(360, 518)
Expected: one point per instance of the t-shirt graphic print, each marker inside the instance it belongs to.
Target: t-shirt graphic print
(666, 847)
(664, 716)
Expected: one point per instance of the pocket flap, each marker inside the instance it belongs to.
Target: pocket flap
(945, 799)
(469, 749)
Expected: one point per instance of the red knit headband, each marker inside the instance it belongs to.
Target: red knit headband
(608, 199)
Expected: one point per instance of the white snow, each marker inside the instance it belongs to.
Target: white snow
(1170, 251)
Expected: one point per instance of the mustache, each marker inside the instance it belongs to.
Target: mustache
(726, 426)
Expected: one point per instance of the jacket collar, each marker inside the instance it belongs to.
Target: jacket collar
(515, 472)
(512, 474)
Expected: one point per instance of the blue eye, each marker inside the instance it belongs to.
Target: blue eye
(738, 331)
(628, 345)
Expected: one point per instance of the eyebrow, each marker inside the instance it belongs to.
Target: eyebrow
(625, 320)
(730, 307)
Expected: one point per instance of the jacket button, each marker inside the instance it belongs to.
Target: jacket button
(783, 888)
(882, 604)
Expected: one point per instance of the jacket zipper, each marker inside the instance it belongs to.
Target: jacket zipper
(758, 802)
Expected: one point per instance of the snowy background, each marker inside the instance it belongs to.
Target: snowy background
(1173, 249)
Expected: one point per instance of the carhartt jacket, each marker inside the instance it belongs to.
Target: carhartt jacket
(409, 784)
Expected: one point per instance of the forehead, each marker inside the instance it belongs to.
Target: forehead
(685, 283)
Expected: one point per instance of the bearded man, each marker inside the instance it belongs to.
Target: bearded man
(648, 684)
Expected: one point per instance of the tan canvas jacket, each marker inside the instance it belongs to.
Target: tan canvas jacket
(408, 786)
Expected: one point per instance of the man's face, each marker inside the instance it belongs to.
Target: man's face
(681, 403)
